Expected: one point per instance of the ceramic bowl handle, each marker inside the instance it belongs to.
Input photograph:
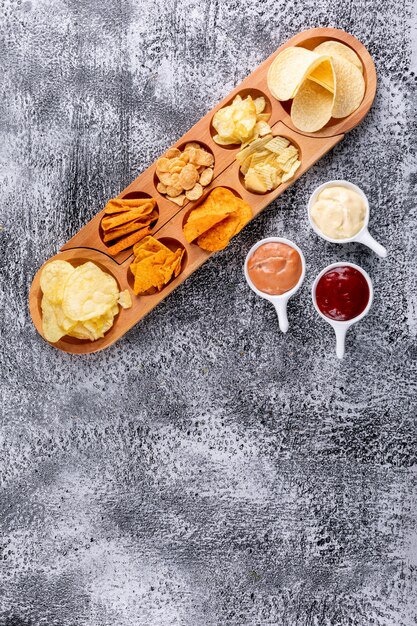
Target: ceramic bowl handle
(367, 239)
(340, 332)
(281, 309)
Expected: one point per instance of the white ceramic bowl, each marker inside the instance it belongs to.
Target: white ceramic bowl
(341, 327)
(279, 302)
(363, 236)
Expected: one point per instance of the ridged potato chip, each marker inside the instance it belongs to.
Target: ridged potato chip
(53, 278)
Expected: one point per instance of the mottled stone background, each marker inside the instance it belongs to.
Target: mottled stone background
(205, 470)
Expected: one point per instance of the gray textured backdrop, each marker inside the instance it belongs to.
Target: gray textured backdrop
(205, 470)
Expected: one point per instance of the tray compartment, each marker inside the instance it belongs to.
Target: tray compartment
(171, 243)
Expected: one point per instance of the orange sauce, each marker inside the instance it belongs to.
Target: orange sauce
(275, 268)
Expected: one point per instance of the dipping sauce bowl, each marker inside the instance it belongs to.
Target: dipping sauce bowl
(362, 236)
(279, 301)
(346, 296)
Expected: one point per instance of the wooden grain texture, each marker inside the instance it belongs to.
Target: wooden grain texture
(88, 245)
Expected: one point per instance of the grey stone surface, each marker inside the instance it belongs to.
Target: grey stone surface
(205, 470)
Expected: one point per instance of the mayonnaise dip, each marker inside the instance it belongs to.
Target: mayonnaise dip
(339, 212)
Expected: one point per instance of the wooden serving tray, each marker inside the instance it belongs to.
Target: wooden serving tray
(87, 244)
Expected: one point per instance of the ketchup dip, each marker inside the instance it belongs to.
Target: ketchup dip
(342, 293)
(275, 268)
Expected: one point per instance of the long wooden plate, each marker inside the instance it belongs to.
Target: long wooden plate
(87, 244)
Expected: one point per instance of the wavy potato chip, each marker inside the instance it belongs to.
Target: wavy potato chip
(312, 107)
(335, 48)
(53, 278)
(51, 329)
(89, 292)
(55, 319)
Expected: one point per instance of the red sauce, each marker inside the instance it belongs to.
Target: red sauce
(342, 293)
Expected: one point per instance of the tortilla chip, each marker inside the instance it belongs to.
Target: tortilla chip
(112, 221)
(218, 237)
(219, 204)
(117, 205)
(127, 242)
(125, 229)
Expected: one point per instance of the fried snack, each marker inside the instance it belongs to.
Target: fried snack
(221, 216)
(186, 171)
(154, 266)
(267, 164)
(218, 205)
(324, 83)
(218, 237)
(126, 221)
(82, 305)
(312, 107)
(241, 122)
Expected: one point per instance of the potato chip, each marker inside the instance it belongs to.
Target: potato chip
(350, 87)
(172, 153)
(182, 172)
(89, 292)
(289, 69)
(312, 107)
(288, 175)
(191, 144)
(239, 122)
(263, 163)
(335, 48)
(195, 193)
(178, 199)
(323, 74)
(124, 300)
(51, 329)
(53, 278)
(206, 177)
(162, 164)
(188, 177)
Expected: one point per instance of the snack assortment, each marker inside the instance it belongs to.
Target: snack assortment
(154, 265)
(127, 221)
(322, 83)
(241, 122)
(80, 302)
(268, 162)
(221, 216)
(183, 174)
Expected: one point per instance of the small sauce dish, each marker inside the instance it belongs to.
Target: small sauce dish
(341, 327)
(363, 236)
(279, 301)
